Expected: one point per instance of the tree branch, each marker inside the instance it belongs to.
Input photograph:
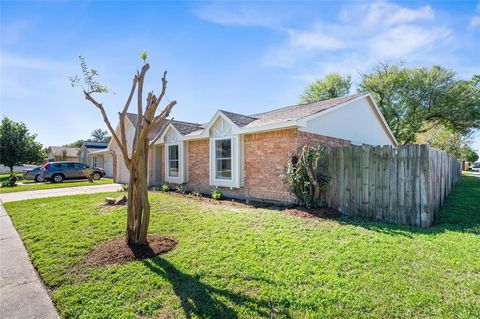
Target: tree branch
(123, 147)
(125, 109)
(160, 133)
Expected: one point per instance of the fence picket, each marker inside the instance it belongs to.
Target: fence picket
(406, 184)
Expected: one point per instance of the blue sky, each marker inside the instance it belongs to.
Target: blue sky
(246, 57)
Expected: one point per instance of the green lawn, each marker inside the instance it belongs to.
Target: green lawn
(4, 177)
(234, 262)
(31, 185)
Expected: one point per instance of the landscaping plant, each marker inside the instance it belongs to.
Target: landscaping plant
(305, 175)
(179, 189)
(216, 194)
(165, 188)
(138, 208)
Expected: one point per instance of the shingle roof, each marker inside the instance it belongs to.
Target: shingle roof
(183, 127)
(186, 127)
(296, 112)
(284, 114)
(239, 119)
(95, 145)
(58, 150)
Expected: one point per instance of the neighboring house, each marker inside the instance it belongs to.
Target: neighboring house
(245, 155)
(96, 154)
(89, 147)
(61, 153)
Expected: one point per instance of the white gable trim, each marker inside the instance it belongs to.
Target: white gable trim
(219, 113)
(161, 139)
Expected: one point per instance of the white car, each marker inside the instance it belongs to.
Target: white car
(475, 167)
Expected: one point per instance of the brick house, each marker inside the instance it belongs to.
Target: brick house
(245, 155)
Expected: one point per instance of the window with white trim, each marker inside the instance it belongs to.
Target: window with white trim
(94, 161)
(173, 164)
(223, 159)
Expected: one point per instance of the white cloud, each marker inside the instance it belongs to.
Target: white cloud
(389, 14)
(373, 31)
(403, 40)
(311, 40)
(475, 22)
(238, 15)
(8, 60)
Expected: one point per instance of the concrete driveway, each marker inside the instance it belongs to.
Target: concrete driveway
(22, 292)
(65, 191)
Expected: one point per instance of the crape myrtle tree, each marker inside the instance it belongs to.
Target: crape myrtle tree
(18, 145)
(136, 157)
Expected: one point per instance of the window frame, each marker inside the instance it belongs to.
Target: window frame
(167, 159)
(215, 159)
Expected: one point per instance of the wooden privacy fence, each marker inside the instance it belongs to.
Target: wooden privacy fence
(404, 184)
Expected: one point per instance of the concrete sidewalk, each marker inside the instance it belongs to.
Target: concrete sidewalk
(22, 293)
(53, 192)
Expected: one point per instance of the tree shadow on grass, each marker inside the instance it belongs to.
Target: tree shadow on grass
(460, 213)
(203, 300)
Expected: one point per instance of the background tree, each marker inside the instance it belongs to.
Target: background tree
(332, 86)
(77, 143)
(413, 100)
(99, 135)
(136, 157)
(454, 143)
(17, 145)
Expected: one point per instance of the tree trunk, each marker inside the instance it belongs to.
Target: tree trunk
(138, 206)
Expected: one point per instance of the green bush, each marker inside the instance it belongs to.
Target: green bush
(165, 188)
(179, 189)
(90, 172)
(305, 175)
(125, 187)
(11, 181)
(216, 194)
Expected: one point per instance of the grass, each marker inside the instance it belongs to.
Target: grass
(4, 177)
(236, 262)
(32, 185)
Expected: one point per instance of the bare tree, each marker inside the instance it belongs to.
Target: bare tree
(136, 158)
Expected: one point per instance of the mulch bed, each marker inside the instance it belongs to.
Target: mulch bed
(298, 211)
(313, 212)
(117, 252)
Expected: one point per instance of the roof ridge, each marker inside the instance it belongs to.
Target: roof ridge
(225, 111)
(351, 96)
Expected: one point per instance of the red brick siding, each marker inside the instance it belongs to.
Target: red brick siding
(114, 166)
(266, 155)
(198, 169)
(305, 138)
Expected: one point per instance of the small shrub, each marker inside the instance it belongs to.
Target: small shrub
(90, 175)
(165, 188)
(179, 189)
(11, 181)
(125, 187)
(305, 176)
(216, 194)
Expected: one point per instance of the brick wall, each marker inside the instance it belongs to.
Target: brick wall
(114, 165)
(305, 138)
(266, 155)
(198, 170)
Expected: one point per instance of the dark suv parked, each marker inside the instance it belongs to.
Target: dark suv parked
(58, 171)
